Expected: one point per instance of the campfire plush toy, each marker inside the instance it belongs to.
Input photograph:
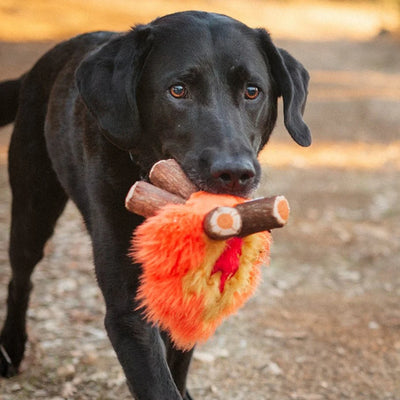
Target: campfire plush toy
(201, 252)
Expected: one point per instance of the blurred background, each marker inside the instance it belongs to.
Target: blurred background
(325, 322)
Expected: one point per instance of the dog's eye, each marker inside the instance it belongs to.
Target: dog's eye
(252, 92)
(178, 91)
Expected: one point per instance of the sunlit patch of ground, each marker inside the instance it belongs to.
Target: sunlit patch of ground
(359, 156)
(310, 20)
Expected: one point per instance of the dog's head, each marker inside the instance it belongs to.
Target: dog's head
(201, 88)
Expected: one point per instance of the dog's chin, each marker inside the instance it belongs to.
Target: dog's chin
(247, 192)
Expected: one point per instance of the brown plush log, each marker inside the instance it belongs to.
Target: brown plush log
(247, 218)
(145, 199)
(168, 175)
(221, 223)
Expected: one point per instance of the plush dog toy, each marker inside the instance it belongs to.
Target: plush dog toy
(200, 252)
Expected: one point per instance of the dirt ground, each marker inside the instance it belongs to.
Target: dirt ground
(325, 322)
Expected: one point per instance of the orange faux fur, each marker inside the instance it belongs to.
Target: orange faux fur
(179, 290)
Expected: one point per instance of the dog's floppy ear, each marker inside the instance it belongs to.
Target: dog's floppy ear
(291, 79)
(107, 81)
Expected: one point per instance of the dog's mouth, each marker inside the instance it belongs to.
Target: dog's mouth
(202, 178)
(224, 187)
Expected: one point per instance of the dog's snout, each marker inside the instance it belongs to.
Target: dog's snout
(233, 176)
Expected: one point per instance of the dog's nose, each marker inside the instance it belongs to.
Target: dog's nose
(233, 176)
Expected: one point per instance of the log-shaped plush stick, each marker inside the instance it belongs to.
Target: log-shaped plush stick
(168, 175)
(146, 199)
(221, 223)
(247, 218)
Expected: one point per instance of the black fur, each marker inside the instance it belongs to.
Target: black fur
(9, 101)
(92, 104)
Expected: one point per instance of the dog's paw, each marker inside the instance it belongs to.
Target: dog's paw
(7, 369)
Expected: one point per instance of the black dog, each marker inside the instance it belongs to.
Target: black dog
(95, 113)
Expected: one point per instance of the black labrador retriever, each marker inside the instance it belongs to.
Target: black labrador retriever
(95, 113)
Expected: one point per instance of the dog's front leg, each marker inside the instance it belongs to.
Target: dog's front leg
(137, 344)
(140, 352)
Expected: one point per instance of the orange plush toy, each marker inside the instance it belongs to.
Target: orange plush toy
(201, 257)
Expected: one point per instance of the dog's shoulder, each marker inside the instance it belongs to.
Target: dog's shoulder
(64, 58)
